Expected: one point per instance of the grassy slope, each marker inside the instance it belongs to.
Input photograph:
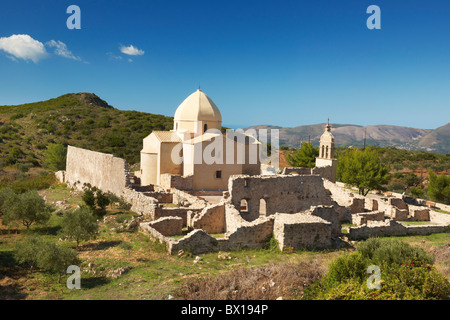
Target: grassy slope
(80, 119)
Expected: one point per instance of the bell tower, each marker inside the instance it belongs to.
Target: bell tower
(326, 154)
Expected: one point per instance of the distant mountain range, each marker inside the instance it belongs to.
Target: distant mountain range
(437, 140)
(84, 120)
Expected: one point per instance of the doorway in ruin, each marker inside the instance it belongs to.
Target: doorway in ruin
(262, 207)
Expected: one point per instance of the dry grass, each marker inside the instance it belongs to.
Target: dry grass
(267, 282)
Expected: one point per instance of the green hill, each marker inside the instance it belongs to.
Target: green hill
(79, 119)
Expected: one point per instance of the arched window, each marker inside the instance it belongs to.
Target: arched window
(262, 207)
(244, 206)
(326, 154)
(323, 151)
(205, 127)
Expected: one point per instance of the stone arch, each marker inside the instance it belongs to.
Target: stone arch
(263, 207)
(244, 206)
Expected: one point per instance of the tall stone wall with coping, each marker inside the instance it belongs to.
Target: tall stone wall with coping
(100, 170)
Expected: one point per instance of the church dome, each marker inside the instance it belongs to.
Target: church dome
(198, 107)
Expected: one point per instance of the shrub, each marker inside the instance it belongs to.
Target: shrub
(102, 199)
(89, 198)
(416, 192)
(124, 204)
(45, 255)
(27, 208)
(407, 282)
(406, 273)
(352, 266)
(388, 252)
(79, 225)
(396, 186)
(27, 251)
(55, 157)
(24, 167)
(41, 182)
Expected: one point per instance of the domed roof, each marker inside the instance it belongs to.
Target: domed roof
(327, 136)
(198, 107)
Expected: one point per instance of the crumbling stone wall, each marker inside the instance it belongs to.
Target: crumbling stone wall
(168, 226)
(176, 181)
(364, 217)
(301, 231)
(296, 170)
(140, 203)
(211, 219)
(161, 211)
(329, 214)
(357, 205)
(327, 172)
(419, 213)
(100, 170)
(391, 227)
(251, 234)
(289, 194)
(397, 214)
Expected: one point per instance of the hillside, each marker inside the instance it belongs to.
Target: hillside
(437, 140)
(79, 119)
(86, 121)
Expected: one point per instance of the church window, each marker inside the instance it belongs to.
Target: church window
(244, 206)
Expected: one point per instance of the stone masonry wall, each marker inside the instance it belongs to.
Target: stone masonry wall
(100, 170)
(392, 228)
(168, 226)
(289, 194)
(301, 231)
(211, 219)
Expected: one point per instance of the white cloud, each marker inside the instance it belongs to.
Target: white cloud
(130, 60)
(131, 50)
(22, 46)
(113, 57)
(62, 50)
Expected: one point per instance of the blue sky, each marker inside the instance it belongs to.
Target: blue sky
(285, 63)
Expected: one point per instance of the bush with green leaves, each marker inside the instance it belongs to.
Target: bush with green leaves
(406, 273)
(102, 200)
(79, 225)
(417, 192)
(362, 169)
(27, 208)
(439, 187)
(38, 253)
(55, 157)
(89, 198)
(388, 252)
(304, 157)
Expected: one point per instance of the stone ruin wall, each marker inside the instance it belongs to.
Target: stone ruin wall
(301, 231)
(111, 174)
(289, 194)
(391, 227)
(100, 170)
